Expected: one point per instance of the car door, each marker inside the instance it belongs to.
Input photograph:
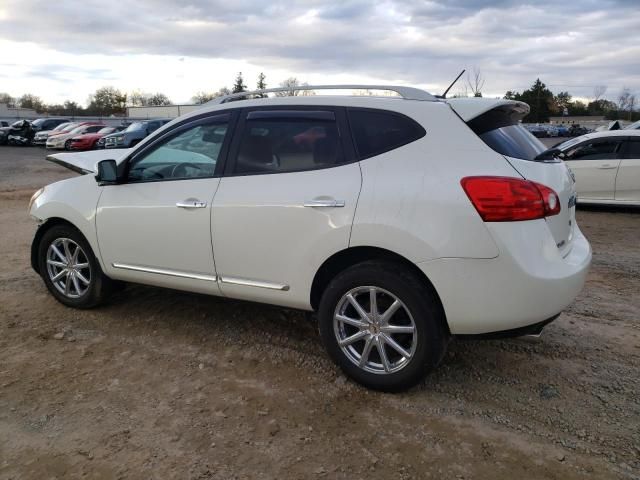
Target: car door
(595, 164)
(285, 203)
(628, 178)
(155, 226)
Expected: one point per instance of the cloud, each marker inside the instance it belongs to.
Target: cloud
(427, 43)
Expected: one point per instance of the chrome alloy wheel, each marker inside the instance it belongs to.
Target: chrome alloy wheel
(375, 330)
(68, 268)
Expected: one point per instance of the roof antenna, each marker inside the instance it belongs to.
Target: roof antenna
(444, 95)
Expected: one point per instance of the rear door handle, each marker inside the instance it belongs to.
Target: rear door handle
(191, 203)
(330, 203)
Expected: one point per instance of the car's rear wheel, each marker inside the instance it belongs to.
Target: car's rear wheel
(67, 145)
(70, 270)
(382, 326)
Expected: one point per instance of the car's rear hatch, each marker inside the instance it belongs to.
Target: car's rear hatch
(497, 123)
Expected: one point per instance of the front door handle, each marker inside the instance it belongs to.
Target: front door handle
(330, 203)
(607, 166)
(191, 203)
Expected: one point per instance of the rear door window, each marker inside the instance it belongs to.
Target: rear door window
(278, 141)
(379, 131)
(594, 150)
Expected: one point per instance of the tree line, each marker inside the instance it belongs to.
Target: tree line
(106, 101)
(544, 103)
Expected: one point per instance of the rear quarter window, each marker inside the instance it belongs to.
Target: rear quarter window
(379, 131)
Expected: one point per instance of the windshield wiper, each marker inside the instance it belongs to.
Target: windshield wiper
(552, 153)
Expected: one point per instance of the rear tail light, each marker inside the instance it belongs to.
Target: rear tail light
(507, 199)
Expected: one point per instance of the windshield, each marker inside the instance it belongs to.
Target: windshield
(61, 127)
(69, 127)
(633, 126)
(135, 126)
(569, 143)
(107, 130)
(38, 122)
(78, 130)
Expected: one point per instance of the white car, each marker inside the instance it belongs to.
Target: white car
(41, 137)
(606, 166)
(63, 140)
(401, 221)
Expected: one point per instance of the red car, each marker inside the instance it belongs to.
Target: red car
(88, 141)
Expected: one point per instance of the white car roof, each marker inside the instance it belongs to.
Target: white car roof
(612, 133)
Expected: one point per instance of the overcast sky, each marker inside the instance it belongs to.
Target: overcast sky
(66, 49)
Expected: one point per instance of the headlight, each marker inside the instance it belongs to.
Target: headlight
(35, 196)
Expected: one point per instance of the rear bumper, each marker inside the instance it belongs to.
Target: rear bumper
(528, 283)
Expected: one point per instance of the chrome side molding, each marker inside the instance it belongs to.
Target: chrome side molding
(254, 283)
(163, 271)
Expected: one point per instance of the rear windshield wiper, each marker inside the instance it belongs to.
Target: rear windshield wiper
(550, 154)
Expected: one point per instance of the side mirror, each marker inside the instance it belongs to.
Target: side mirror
(107, 172)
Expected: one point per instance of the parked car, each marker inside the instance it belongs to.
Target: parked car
(89, 141)
(407, 222)
(563, 131)
(134, 133)
(552, 130)
(4, 131)
(44, 124)
(4, 123)
(576, 130)
(64, 140)
(537, 131)
(42, 136)
(606, 166)
(20, 133)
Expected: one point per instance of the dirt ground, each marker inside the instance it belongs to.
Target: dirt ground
(161, 384)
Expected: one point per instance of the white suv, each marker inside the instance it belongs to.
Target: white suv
(402, 221)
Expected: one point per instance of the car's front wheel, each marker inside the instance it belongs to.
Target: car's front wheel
(70, 270)
(382, 326)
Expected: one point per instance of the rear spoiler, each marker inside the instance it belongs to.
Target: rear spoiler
(470, 108)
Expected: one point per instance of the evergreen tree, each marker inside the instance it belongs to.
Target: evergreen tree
(238, 85)
(261, 85)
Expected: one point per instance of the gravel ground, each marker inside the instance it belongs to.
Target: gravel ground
(163, 384)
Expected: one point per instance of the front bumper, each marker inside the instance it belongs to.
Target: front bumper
(55, 144)
(527, 283)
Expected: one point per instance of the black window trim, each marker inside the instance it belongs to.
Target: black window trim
(219, 116)
(381, 110)
(348, 150)
(291, 114)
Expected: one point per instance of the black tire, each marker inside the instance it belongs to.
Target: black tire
(67, 145)
(419, 302)
(99, 287)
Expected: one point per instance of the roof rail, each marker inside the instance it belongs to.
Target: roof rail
(407, 93)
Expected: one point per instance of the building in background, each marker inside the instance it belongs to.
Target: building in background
(8, 113)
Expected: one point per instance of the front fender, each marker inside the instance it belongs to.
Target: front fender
(73, 201)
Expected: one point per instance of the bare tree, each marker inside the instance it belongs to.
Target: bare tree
(290, 84)
(623, 99)
(598, 92)
(475, 80)
(631, 105)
